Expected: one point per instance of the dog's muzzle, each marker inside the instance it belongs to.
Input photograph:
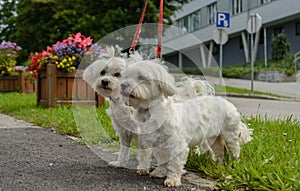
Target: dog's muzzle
(105, 83)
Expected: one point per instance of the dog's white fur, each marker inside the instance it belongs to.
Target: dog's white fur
(186, 123)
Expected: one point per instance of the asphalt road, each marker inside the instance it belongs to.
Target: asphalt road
(271, 108)
(34, 158)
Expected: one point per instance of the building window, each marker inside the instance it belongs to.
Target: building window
(237, 6)
(186, 24)
(195, 18)
(183, 24)
(298, 28)
(212, 9)
(263, 1)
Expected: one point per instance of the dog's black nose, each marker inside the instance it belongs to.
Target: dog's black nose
(124, 85)
(105, 82)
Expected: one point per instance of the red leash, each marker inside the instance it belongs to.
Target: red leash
(159, 30)
(138, 29)
(160, 27)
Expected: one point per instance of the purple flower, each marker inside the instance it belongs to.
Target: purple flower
(18, 48)
(10, 46)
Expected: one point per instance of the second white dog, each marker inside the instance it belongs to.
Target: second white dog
(183, 124)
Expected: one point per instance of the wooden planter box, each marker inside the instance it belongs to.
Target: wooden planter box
(18, 83)
(59, 88)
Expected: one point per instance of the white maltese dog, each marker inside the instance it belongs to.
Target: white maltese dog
(172, 125)
(103, 75)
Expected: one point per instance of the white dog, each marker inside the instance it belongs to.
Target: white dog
(103, 75)
(183, 124)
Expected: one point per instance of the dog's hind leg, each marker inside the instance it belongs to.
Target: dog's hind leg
(218, 148)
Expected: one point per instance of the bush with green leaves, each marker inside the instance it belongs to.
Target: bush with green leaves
(280, 46)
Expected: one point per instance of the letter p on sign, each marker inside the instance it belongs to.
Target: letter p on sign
(223, 20)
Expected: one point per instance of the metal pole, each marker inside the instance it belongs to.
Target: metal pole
(252, 62)
(265, 47)
(220, 58)
(180, 60)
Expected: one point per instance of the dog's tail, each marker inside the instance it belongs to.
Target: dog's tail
(245, 133)
(190, 87)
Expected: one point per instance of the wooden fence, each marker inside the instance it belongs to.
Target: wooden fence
(19, 83)
(59, 88)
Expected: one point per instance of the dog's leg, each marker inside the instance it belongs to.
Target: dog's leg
(218, 148)
(144, 156)
(230, 133)
(159, 172)
(208, 150)
(123, 156)
(175, 169)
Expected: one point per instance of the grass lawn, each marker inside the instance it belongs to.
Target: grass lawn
(269, 162)
(229, 89)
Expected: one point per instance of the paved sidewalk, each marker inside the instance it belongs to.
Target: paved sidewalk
(34, 158)
(290, 89)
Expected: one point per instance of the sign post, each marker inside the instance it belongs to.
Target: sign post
(253, 26)
(220, 36)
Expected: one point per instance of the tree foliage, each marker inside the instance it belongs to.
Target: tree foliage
(34, 24)
(7, 18)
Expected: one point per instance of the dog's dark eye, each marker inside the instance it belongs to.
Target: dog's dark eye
(102, 73)
(141, 78)
(117, 74)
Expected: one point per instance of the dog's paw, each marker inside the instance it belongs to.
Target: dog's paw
(142, 171)
(114, 164)
(158, 173)
(172, 182)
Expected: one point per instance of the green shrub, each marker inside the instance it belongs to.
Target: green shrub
(280, 46)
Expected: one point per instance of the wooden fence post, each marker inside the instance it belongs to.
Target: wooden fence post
(52, 81)
(99, 100)
(22, 81)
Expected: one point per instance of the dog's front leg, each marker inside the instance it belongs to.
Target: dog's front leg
(144, 157)
(123, 155)
(159, 172)
(175, 169)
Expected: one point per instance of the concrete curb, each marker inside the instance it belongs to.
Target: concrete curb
(255, 96)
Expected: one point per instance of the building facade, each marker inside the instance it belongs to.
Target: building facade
(198, 19)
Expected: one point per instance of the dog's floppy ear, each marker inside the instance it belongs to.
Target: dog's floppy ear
(88, 75)
(167, 84)
(91, 73)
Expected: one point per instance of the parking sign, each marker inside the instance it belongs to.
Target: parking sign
(223, 20)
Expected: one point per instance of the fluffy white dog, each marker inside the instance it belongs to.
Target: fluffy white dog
(179, 124)
(103, 75)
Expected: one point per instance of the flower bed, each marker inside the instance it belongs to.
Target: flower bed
(8, 55)
(17, 83)
(12, 79)
(59, 88)
(58, 79)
